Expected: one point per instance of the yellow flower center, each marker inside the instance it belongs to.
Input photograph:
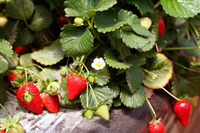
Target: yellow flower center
(98, 64)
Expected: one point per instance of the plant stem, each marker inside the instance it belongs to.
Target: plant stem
(151, 109)
(157, 4)
(93, 94)
(194, 28)
(180, 48)
(87, 94)
(185, 67)
(194, 36)
(188, 34)
(5, 112)
(164, 90)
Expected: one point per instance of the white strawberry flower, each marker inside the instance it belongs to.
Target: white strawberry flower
(98, 63)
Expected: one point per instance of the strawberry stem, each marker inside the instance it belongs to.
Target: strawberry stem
(93, 94)
(157, 4)
(153, 113)
(185, 67)
(164, 90)
(87, 94)
(180, 48)
(5, 112)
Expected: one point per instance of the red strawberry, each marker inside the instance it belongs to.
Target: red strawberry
(63, 77)
(50, 102)
(12, 76)
(182, 110)
(76, 84)
(18, 49)
(2, 131)
(62, 20)
(29, 97)
(161, 27)
(157, 127)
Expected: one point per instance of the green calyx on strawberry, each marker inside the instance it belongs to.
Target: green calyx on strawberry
(88, 113)
(53, 88)
(76, 84)
(50, 102)
(11, 125)
(156, 127)
(16, 78)
(103, 111)
(146, 22)
(64, 71)
(78, 21)
(35, 104)
(182, 109)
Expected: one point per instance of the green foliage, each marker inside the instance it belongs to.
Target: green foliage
(86, 8)
(115, 90)
(6, 48)
(4, 64)
(181, 8)
(26, 60)
(49, 55)
(51, 74)
(42, 18)
(76, 41)
(102, 77)
(20, 9)
(97, 95)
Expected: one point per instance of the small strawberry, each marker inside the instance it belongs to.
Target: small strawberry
(13, 75)
(146, 22)
(76, 84)
(2, 131)
(103, 112)
(18, 49)
(182, 110)
(88, 113)
(3, 21)
(78, 21)
(50, 102)
(62, 20)
(161, 27)
(156, 127)
(29, 97)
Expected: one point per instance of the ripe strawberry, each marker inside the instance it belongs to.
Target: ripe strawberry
(76, 84)
(161, 27)
(29, 97)
(62, 20)
(18, 49)
(103, 112)
(182, 110)
(2, 131)
(50, 102)
(157, 127)
(12, 76)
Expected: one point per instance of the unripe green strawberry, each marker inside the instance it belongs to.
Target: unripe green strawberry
(89, 114)
(146, 22)
(91, 79)
(18, 128)
(53, 88)
(103, 112)
(78, 21)
(3, 21)
(64, 71)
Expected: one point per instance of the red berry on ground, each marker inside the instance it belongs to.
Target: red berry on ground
(157, 127)
(182, 110)
(18, 49)
(76, 84)
(35, 104)
(50, 102)
(62, 20)
(161, 27)
(2, 131)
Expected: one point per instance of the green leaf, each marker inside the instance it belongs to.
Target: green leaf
(115, 90)
(4, 64)
(76, 41)
(108, 21)
(84, 8)
(188, 84)
(181, 8)
(132, 40)
(102, 78)
(49, 55)
(42, 18)
(134, 76)
(144, 6)
(9, 31)
(151, 43)
(111, 59)
(6, 48)
(99, 93)
(182, 42)
(160, 72)
(26, 60)
(43, 38)
(20, 9)
(133, 100)
(24, 35)
(51, 74)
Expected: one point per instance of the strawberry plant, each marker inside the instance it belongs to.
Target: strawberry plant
(99, 54)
